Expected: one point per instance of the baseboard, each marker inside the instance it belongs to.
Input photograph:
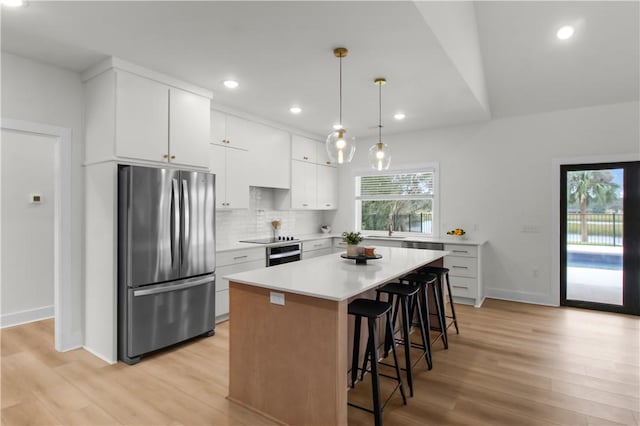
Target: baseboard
(519, 296)
(102, 357)
(25, 317)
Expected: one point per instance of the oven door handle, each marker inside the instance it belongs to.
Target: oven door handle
(285, 254)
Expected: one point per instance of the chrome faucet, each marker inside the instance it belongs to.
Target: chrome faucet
(390, 226)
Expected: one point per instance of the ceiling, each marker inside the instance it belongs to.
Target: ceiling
(446, 63)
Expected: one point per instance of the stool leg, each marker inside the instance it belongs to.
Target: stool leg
(356, 351)
(441, 322)
(395, 362)
(453, 309)
(377, 409)
(407, 343)
(426, 341)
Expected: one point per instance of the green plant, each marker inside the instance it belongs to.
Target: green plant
(352, 238)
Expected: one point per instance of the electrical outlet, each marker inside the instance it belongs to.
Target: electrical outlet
(277, 298)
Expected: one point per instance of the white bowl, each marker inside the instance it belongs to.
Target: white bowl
(325, 230)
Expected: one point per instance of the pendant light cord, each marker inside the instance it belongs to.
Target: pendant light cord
(379, 112)
(341, 125)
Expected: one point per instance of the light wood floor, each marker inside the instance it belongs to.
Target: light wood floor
(512, 364)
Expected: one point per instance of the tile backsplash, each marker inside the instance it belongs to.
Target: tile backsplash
(255, 222)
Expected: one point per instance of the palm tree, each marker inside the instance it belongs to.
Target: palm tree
(590, 185)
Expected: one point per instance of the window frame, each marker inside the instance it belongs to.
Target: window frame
(433, 167)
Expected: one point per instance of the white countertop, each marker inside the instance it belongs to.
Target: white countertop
(333, 278)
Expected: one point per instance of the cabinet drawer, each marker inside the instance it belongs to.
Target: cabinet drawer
(316, 253)
(461, 266)
(460, 250)
(316, 244)
(241, 256)
(464, 287)
(223, 271)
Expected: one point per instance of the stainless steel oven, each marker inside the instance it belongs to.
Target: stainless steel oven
(290, 252)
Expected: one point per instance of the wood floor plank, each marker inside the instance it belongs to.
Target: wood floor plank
(511, 364)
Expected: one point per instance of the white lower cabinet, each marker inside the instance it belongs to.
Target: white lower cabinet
(315, 248)
(464, 273)
(232, 262)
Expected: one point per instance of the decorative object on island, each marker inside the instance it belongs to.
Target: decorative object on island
(339, 148)
(352, 239)
(379, 153)
(458, 233)
(275, 224)
(325, 229)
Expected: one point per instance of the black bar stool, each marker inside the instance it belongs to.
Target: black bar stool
(372, 310)
(441, 272)
(428, 281)
(406, 299)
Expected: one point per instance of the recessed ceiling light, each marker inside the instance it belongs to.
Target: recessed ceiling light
(565, 32)
(13, 3)
(295, 110)
(231, 84)
(399, 116)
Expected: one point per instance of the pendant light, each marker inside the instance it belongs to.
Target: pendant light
(340, 148)
(379, 153)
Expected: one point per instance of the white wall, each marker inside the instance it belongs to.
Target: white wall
(39, 93)
(496, 176)
(27, 228)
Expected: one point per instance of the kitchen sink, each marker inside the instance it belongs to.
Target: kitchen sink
(384, 237)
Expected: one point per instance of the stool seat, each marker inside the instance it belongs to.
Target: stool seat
(399, 289)
(420, 278)
(368, 308)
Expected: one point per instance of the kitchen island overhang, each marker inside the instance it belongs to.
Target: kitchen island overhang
(288, 332)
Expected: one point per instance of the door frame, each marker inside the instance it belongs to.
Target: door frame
(65, 339)
(555, 208)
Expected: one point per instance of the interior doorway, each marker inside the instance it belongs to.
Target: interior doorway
(66, 336)
(600, 236)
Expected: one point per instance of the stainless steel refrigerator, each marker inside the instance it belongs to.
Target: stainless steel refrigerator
(166, 258)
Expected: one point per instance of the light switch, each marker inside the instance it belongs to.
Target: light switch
(277, 298)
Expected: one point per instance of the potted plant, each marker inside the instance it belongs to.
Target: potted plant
(352, 239)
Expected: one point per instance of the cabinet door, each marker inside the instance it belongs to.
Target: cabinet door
(237, 179)
(189, 126)
(142, 118)
(240, 133)
(327, 187)
(218, 166)
(270, 158)
(303, 185)
(303, 149)
(222, 284)
(322, 157)
(218, 133)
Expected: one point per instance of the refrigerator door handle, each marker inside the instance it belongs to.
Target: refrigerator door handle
(165, 288)
(175, 220)
(186, 232)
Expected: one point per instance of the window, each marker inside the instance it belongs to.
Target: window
(406, 198)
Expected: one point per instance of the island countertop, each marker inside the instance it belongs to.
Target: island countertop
(334, 278)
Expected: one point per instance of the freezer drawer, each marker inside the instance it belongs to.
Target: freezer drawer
(161, 315)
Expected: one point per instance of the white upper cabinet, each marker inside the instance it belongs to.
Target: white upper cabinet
(154, 120)
(269, 157)
(188, 128)
(327, 187)
(303, 185)
(232, 185)
(231, 131)
(142, 118)
(303, 149)
(322, 156)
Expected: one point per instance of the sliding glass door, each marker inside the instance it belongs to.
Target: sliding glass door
(600, 236)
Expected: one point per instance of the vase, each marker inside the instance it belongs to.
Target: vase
(352, 250)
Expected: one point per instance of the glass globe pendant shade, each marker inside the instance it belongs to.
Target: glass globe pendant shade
(339, 147)
(380, 156)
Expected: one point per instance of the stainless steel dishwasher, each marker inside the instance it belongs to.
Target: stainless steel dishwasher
(424, 245)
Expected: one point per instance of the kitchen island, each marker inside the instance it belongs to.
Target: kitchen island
(288, 334)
